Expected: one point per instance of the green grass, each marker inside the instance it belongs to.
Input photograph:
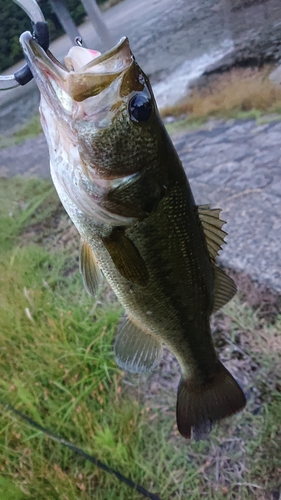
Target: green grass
(30, 129)
(187, 123)
(192, 123)
(9, 490)
(33, 127)
(57, 367)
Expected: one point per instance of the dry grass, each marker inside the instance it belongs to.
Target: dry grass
(239, 90)
(108, 4)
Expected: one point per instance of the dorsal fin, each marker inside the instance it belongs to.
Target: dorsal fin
(212, 226)
(224, 286)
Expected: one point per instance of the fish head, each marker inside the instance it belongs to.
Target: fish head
(98, 114)
(99, 117)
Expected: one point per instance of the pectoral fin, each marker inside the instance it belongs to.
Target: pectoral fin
(136, 350)
(126, 257)
(89, 269)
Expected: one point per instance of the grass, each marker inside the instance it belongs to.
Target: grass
(30, 129)
(57, 367)
(240, 93)
(107, 4)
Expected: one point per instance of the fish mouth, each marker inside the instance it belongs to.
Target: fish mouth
(75, 81)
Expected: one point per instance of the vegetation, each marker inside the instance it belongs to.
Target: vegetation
(238, 93)
(30, 129)
(57, 367)
(14, 21)
(241, 93)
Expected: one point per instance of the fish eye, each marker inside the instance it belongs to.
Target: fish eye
(140, 108)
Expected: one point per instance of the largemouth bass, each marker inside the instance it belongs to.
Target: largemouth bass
(122, 183)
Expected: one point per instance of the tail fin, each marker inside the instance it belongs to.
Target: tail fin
(199, 406)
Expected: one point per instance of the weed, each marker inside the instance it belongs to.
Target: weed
(57, 366)
(240, 93)
(30, 129)
(23, 203)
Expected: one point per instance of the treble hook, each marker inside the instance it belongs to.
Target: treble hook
(40, 34)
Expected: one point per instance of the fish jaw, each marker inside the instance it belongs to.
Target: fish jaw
(82, 77)
(67, 91)
(49, 75)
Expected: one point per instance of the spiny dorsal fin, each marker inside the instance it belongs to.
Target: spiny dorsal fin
(224, 286)
(224, 289)
(212, 226)
(135, 349)
(126, 257)
(89, 269)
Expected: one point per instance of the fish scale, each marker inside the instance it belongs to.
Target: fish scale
(124, 187)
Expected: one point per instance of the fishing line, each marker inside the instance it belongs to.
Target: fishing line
(82, 453)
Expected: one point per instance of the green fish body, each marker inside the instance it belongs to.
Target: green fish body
(123, 185)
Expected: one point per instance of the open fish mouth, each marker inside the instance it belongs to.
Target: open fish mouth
(86, 72)
(80, 103)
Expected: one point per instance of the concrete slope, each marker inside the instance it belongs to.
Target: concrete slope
(234, 166)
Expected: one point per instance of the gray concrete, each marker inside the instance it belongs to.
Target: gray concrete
(235, 166)
(163, 35)
(173, 40)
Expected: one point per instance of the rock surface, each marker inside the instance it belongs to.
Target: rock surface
(275, 76)
(235, 166)
(174, 41)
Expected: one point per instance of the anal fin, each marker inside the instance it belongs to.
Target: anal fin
(89, 269)
(136, 350)
(126, 257)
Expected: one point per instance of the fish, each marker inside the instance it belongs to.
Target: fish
(123, 185)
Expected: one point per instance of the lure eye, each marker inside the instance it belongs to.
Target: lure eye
(140, 108)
